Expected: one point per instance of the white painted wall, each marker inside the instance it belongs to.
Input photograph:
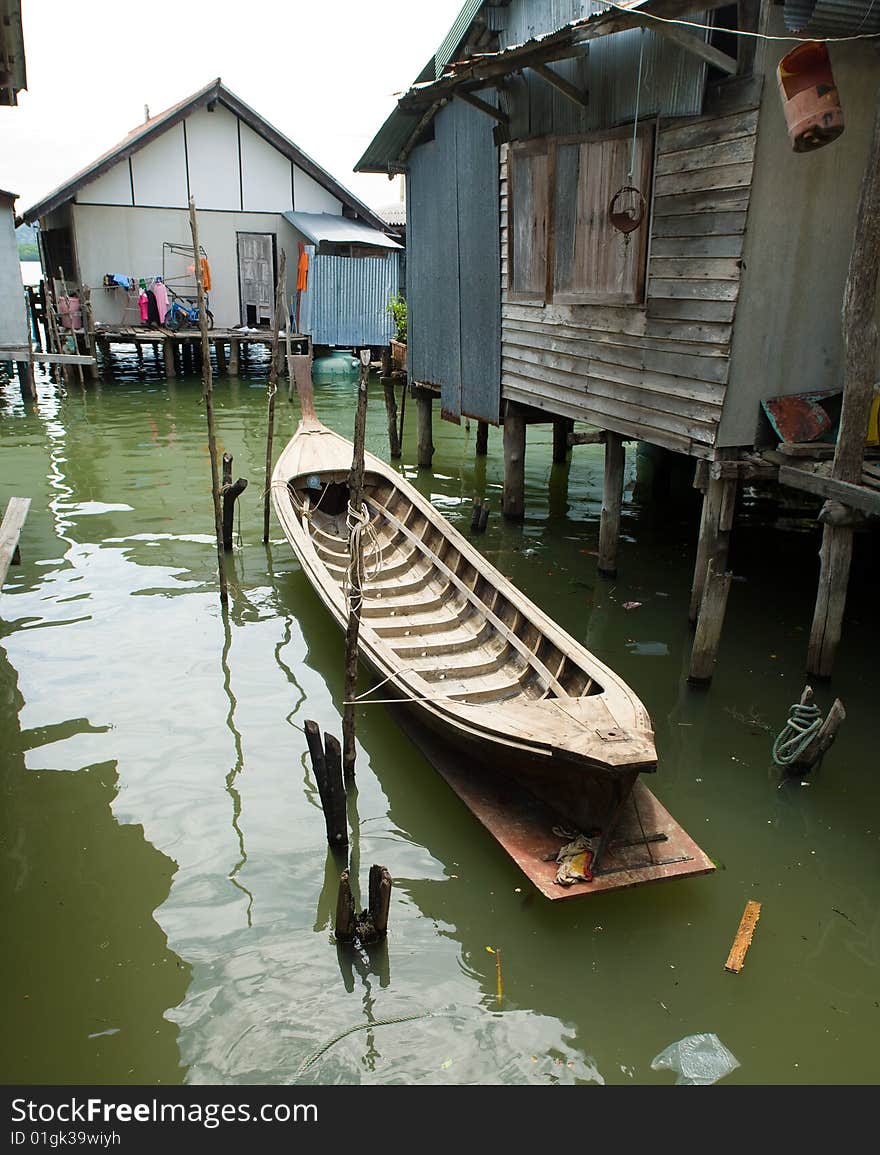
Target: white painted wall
(120, 240)
(13, 317)
(266, 175)
(212, 145)
(113, 188)
(310, 197)
(160, 171)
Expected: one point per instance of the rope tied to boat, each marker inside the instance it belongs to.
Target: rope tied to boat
(358, 524)
(804, 723)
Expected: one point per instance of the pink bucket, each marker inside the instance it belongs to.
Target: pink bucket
(70, 311)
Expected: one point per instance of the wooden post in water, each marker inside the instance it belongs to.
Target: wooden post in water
(513, 500)
(168, 352)
(716, 521)
(220, 349)
(482, 438)
(562, 426)
(327, 767)
(355, 570)
(89, 325)
(208, 390)
(612, 499)
(391, 414)
(424, 431)
(230, 493)
(273, 386)
(344, 926)
(233, 357)
(716, 587)
(860, 361)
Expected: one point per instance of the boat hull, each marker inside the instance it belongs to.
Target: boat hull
(447, 635)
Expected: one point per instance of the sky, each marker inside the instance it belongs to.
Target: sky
(326, 73)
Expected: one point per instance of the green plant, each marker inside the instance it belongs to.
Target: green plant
(397, 309)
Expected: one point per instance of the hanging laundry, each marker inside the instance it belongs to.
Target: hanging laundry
(206, 275)
(123, 281)
(153, 308)
(302, 270)
(143, 306)
(160, 292)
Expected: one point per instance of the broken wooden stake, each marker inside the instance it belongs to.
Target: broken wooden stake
(230, 493)
(737, 957)
(327, 768)
(815, 751)
(707, 637)
(371, 925)
(345, 925)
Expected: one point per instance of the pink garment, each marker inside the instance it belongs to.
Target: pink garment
(142, 305)
(161, 295)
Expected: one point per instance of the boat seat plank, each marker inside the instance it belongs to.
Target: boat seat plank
(513, 638)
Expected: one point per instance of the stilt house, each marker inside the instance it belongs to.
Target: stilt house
(607, 222)
(256, 193)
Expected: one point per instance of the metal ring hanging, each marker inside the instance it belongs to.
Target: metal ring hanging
(625, 220)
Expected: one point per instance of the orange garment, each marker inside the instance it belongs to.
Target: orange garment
(206, 274)
(302, 270)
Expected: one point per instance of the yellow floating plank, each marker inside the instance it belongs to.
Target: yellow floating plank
(743, 940)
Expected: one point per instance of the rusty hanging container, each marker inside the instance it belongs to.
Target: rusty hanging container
(809, 97)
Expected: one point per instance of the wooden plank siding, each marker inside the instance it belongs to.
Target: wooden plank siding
(658, 370)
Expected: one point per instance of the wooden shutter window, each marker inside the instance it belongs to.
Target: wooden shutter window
(528, 198)
(594, 263)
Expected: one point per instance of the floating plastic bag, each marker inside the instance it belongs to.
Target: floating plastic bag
(698, 1060)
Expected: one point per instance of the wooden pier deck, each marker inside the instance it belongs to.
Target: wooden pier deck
(180, 346)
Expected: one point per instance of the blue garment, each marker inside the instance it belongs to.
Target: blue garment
(123, 281)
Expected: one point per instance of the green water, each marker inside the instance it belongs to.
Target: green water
(167, 892)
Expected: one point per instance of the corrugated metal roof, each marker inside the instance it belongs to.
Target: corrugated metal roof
(384, 152)
(455, 34)
(833, 17)
(320, 227)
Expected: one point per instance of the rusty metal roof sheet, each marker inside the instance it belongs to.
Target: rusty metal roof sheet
(833, 17)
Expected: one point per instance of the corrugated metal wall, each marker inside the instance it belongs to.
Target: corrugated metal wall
(672, 82)
(347, 299)
(454, 269)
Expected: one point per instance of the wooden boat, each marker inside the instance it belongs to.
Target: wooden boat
(449, 635)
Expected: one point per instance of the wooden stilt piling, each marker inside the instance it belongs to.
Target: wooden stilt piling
(513, 501)
(716, 521)
(860, 360)
(391, 414)
(707, 638)
(424, 431)
(233, 357)
(482, 438)
(168, 351)
(273, 386)
(612, 500)
(355, 572)
(220, 350)
(89, 326)
(562, 426)
(208, 391)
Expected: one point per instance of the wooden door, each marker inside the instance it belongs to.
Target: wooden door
(256, 278)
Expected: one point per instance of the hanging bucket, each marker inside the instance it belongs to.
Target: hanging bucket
(809, 97)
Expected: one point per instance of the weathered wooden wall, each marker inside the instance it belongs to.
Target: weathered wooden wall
(656, 371)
